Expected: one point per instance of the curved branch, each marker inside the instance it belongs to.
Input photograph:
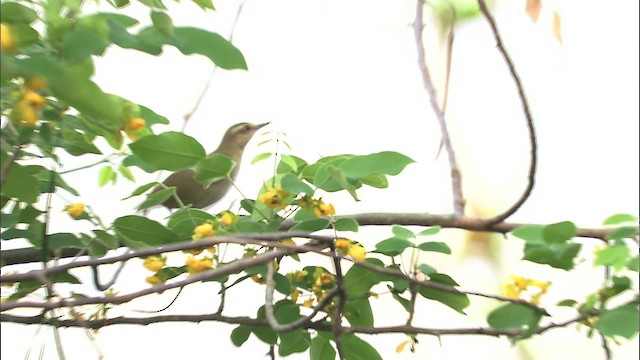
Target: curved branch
(527, 113)
(456, 181)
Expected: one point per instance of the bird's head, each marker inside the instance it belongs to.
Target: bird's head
(238, 135)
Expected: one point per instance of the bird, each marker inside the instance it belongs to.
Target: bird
(192, 192)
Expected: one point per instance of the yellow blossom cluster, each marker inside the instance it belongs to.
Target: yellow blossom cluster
(155, 264)
(518, 286)
(25, 111)
(319, 207)
(195, 265)
(7, 41)
(351, 248)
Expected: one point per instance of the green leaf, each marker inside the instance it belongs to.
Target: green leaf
(634, 263)
(429, 231)
(358, 280)
(261, 157)
(106, 175)
(622, 233)
(615, 255)
(529, 233)
(426, 269)
(154, 4)
(45, 176)
(435, 246)
(162, 22)
(358, 349)
(402, 232)
(294, 341)
(346, 224)
(126, 172)
(141, 189)
(79, 45)
(405, 303)
(214, 168)
(568, 303)
(138, 232)
(358, 312)
(559, 232)
(184, 221)
(135, 160)
(393, 246)
(240, 335)
(157, 198)
(375, 180)
(290, 164)
(621, 321)
(294, 185)
(77, 144)
(64, 240)
(15, 13)
(455, 300)
(386, 162)
(321, 349)
(218, 49)
(618, 219)
(169, 151)
(559, 256)
(205, 4)
(510, 316)
(310, 225)
(20, 184)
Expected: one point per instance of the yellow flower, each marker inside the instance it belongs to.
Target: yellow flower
(274, 198)
(357, 252)
(227, 218)
(136, 124)
(34, 99)
(322, 209)
(326, 278)
(343, 243)
(511, 291)
(23, 113)
(297, 276)
(401, 346)
(6, 40)
(203, 230)
(195, 266)
(154, 280)
(75, 210)
(308, 303)
(36, 83)
(294, 295)
(520, 282)
(154, 263)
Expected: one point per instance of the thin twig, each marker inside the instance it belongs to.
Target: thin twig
(527, 113)
(456, 181)
(188, 115)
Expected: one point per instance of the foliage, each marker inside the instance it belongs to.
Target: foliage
(50, 104)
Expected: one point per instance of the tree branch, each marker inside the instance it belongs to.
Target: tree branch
(28, 255)
(527, 113)
(456, 181)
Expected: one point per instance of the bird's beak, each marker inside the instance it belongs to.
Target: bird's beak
(262, 125)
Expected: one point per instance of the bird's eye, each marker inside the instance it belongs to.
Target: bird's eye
(247, 127)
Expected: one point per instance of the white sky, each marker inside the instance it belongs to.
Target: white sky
(341, 77)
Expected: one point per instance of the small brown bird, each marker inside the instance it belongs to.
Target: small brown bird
(191, 191)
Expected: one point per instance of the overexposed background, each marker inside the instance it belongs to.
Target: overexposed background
(341, 77)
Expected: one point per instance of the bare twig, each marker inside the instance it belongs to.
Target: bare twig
(527, 113)
(456, 181)
(188, 115)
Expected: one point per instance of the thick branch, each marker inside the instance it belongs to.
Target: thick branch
(27, 255)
